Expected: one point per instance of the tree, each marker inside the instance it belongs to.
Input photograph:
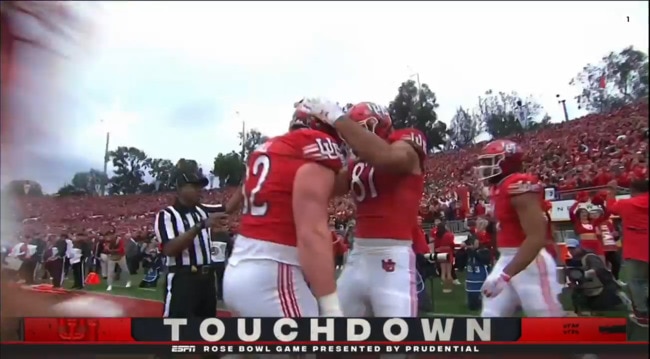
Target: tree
(618, 79)
(162, 171)
(464, 128)
(253, 139)
(129, 165)
(413, 107)
(89, 182)
(22, 188)
(229, 168)
(544, 123)
(70, 190)
(504, 113)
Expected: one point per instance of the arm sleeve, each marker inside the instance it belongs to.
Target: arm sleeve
(524, 184)
(321, 148)
(613, 206)
(414, 137)
(164, 227)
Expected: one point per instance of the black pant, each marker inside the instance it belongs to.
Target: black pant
(134, 264)
(190, 294)
(614, 259)
(55, 268)
(219, 268)
(78, 274)
(26, 270)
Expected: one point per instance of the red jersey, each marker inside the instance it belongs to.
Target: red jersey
(387, 203)
(509, 231)
(267, 212)
(606, 230)
(340, 248)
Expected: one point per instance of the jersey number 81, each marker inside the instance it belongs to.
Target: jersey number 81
(362, 190)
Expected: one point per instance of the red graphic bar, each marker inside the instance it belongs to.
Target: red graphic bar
(68, 330)
(534, 330)
(566, 330)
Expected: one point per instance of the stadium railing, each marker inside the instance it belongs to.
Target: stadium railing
(571, 194)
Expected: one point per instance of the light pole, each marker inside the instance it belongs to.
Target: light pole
(416, 75)
(563, 103)
(243, 137)
(108, 139)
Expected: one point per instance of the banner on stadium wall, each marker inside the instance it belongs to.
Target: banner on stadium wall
(322, 335)
(560, 209)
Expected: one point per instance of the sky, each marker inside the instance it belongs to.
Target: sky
(177, 79)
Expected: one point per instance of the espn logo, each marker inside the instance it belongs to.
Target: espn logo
(183, 348)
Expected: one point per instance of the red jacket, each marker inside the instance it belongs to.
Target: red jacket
(634, 214)
(419, 241)
(446, 243)
(118, 247)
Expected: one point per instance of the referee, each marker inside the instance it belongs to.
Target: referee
(184, 231)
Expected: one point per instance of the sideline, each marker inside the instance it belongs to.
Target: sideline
(427, 314)
(128, 297)
(120, 296)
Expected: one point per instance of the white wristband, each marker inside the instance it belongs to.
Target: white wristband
(336, 115)
(329, 306)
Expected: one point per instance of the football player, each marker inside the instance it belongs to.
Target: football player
(284, 240)
(386, 180)
(525, 273)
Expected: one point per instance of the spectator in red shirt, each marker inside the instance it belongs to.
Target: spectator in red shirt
(114, 248)
(479, 209)
(340, 248)
(445, 244)
(634, 215)
(608, 236)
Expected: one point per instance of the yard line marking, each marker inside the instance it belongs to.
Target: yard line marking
(122, 296)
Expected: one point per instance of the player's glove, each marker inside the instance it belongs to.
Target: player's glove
(325, 110)
(494, 285)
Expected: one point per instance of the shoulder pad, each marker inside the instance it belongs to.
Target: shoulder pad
(522, 183)
(320, 147)
(413, 136)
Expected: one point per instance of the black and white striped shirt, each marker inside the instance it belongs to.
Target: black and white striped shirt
(174, 220)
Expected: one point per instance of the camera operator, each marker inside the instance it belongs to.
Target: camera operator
(594, 286)
(478, 268)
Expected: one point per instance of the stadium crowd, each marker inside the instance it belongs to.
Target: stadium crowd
(585, 152)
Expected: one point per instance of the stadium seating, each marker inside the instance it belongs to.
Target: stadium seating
(586, 152)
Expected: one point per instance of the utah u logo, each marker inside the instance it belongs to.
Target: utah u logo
(77, 329)
(388, 265)
(328, 148)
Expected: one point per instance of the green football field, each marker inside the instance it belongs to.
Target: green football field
(454, 303)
